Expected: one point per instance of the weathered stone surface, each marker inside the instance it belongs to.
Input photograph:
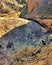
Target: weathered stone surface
(47, 23)
(7, 24)
(32, 4)
(27, 44)
(8, 6)
(42, 13)
(44, 57)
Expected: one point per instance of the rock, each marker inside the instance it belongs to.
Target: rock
(8, 6)
(32, 4)
(10, 44)
(7, 24)
(44, 57)
(50, 36)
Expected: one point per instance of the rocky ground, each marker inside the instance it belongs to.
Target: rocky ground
(30, 44)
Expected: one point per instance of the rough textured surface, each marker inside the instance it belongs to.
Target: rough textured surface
(47, 23)
(30, 44)
(32, 4)
(27, 56)
(8, 6)
(42, 12)
(7, 24)
(27, 45)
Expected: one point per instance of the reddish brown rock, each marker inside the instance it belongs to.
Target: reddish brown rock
(41, 11)
(32, 4)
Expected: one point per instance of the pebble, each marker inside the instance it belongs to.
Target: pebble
(50, 36)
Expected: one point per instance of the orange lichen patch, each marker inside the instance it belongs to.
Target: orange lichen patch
(46, 22)
(7, 24)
